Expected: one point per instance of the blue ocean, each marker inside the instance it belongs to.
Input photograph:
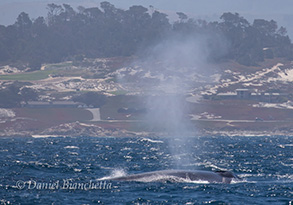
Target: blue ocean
(76, 170)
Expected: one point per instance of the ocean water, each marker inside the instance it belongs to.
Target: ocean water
(75, 170)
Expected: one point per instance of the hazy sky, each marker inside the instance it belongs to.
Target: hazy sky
(279, 10)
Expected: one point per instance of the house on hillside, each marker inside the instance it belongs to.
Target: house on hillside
(243, 93)
(238, 94)
(250, 94)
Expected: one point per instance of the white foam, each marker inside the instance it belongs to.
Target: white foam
(44, 136)
(236, 181)
(71, 147)
(288, 177)
(73, 153)
(288, 145)
(150, 140)
(115, 173)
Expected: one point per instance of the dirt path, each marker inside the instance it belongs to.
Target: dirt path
(96, 114)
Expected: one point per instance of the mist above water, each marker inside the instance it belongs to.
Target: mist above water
(175, 65)
(179, 62)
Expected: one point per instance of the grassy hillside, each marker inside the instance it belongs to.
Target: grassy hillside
(28, 76)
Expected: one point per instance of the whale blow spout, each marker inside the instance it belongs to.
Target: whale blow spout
(181, 176)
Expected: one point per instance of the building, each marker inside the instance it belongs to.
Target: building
(250, 94)
(243, 93)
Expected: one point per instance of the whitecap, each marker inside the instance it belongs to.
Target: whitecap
(209, 164)
(236, 181)
(44, 136)
(287, 165)
(250, 175)
(126, 149)
(288, 145)
(154, 149)
(71, 147)
(286, 176)
(102, 167)
(73, 153)
(150, 140)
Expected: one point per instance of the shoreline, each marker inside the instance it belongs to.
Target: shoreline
(125, 133)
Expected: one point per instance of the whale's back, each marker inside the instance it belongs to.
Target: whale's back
(180, 176)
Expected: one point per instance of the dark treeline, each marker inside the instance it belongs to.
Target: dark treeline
(106, 31)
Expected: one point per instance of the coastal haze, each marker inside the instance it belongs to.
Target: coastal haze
(109, 91)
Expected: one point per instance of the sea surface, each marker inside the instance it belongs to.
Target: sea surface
(76, 170)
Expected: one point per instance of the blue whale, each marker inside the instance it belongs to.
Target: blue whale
(181, 176)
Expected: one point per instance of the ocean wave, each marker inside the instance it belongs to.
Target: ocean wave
(115, 173)
(71, 147)
(126, 149)
(45, 136)
(73, 153)
(151, 140)
(266, 170)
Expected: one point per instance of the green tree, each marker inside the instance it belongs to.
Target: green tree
(109, 31)
(182, 16)
(23, 23)
(28, 94)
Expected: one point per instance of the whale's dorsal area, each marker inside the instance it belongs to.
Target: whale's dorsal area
(181, 176)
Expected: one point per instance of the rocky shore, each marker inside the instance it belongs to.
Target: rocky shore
(77, 129)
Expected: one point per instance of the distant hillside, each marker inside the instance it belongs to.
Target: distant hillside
(68, 34)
